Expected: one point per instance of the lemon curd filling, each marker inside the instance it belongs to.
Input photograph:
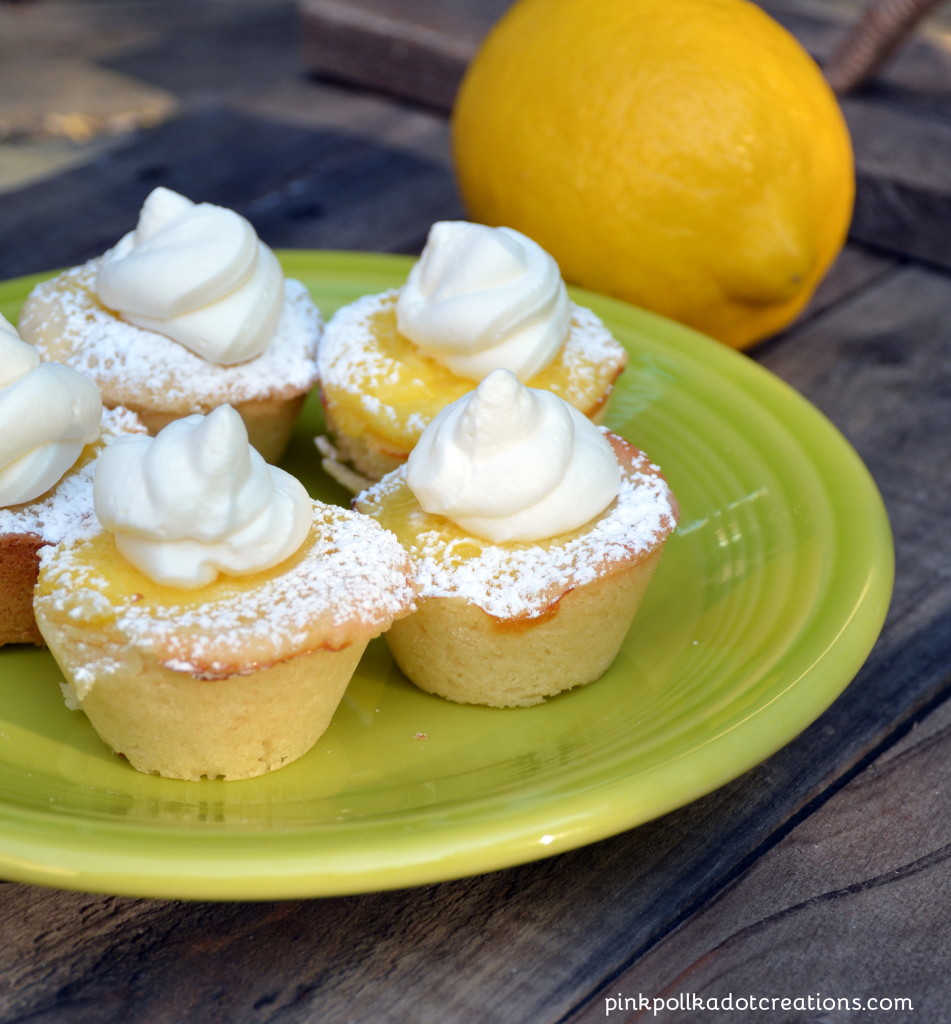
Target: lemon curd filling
(346, 583)
(383, 386)
(442, 539)
(101, 571)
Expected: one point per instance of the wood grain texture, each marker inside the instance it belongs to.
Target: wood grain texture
(417, 52)
(311, 165)
(903, 181)
(866, 879)
(306, 187)
(856, 269)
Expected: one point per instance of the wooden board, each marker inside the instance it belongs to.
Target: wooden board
(347, 192)
(868, 872)
(417, 51)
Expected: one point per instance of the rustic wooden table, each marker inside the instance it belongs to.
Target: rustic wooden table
(824, 873)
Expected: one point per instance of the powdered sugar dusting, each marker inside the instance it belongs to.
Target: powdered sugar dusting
(522, 580)
(350, 361)
(352, 583)
(130, 364)
(67, 508)
(592, 356)
(345, 354)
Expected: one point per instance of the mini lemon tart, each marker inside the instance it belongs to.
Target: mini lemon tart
(187, 312)
(478, 299)
(230, 670)
(52, 431)
(507, 614)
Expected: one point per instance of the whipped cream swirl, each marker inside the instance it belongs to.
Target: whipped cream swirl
(508, 463)
(480, 299)
(197, 500)
(198, 274)
(48, 413)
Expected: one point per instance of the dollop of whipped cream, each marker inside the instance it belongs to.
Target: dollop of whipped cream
(198, 274)
(197, 500)
(481, 299)
(48, 413)
(507, 462)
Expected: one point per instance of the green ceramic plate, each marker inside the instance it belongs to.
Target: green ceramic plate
(768, 600)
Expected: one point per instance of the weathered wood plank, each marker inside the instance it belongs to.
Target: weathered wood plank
(855, 269)
(110, 65)
(903, 181)
(866, 879)
(301, 186)
(416, 51)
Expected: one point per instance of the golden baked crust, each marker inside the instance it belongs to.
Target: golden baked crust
(511, 624)
(162, 380)
(269, 422)
(233, 679)
(24, 529)
(452, 648)
(19, 564)
(168, 723)
(379, 391)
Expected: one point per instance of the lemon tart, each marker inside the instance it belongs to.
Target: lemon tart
(478, 299)
(187, 312)
(223, 653)
(517, 602)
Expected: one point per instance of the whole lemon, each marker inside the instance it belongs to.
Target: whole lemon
(684, 155)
